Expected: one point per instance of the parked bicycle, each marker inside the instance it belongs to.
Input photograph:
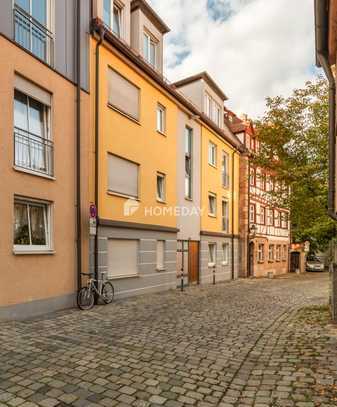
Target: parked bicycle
(86, 295)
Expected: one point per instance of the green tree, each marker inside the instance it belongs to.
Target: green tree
(294, 146)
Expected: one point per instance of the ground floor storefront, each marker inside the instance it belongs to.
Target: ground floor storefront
(204, 347)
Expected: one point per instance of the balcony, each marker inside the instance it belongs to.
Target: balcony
(33, 153)
(33, 36)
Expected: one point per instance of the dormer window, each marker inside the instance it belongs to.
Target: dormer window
(212, 110)
(112, 16)
(150, 49)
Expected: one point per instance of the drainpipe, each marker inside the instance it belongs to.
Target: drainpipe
(233, 168)
(248, 218)
(97, 97)
(78, 149)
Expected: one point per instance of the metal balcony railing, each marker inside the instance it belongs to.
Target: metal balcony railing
(33, 153)
(33, 36)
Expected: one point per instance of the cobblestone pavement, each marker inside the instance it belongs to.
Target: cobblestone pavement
(244, 343)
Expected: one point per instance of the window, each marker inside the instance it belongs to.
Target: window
(122, 176)
(112, 16)
(252, 143)
(217, 114)
(270, 219)
(161, 187)
(31, 225)
(31, 20)
(285, 253)
(150, 50)
(122, 258)
(262, 215)
(123, 95)
(188, 162)
(225, 254)
(208, 105)
(33, 149)
(263, 182)
(252, 213)
(278, 252)
(224, 170)
(284, 220)
(211, 204)
(161, 118)
(260, 253)
(212, 151)
(160, 255)
(271, 256)
(211, 254)
(252, 178)
(212, 110)
(225, 218)
(277, 219)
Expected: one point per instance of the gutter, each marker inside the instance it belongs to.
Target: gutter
(97, 100)
(321, 28)
(78, 150)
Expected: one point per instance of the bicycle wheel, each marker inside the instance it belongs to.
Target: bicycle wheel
(108, 293)
(85, 299)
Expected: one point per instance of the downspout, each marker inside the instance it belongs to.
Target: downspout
(248, 218)
(78, 150)
(232, 238)
(97, 99)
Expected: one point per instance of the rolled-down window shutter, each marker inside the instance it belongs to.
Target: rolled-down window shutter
(122, 258)
(123, 94)
(30, 89)
(123, 176)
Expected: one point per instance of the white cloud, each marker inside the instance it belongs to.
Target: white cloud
(263, 48)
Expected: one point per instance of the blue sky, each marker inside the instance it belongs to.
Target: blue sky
(252, 48)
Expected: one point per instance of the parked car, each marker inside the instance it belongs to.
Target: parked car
(314, 264)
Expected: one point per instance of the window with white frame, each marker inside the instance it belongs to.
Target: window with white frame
(150, 46)
(224, 170)
(285, 253)
(270, 218)
(160, 255)
(208, 105)
(262, 215)
(271, 256)
(32, 27)
(277, 218)
(211, 254)
(161, 118)
(112, 16)
(252, 213)
(284, 220)
(161, 187)
(217, 114)
(252, 178)
(278, 252)
(225, 216)
(212, 110)
(225, 254)
(31, 225)
(188, 162)
(211, 204)
(33, 148)
(212, 152)
(260, 253)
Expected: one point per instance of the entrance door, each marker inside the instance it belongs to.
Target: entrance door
(251, 260)
(294, 261)
(193, 262)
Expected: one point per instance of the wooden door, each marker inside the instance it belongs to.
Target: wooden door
(193, 262)
(251, 259)
(294, 262)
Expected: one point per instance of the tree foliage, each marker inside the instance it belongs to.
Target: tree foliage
(294, 145)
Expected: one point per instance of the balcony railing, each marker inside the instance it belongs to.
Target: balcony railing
(33, 153)
(33, 36)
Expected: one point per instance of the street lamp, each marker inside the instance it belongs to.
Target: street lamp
(253, 231)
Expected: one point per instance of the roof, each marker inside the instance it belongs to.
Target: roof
(206, 77)
(98, 25)
(150, 14)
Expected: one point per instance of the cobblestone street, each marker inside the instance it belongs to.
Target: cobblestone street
(254, 342)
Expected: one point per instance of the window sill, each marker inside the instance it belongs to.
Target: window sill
(17, 252)
(112, 193)
(159, 270)
(161, 201)
(188, 199)
(212, 216)
(31, 172)
(225, 263)
(112, 107)
(260, 261)
(121, 277)
(161, 133)
(212, 165)
(211, 265)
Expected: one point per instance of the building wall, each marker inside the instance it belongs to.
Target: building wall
(243, 215)
(41, 282)
(189, 223)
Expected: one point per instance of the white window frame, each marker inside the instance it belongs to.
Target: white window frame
(277, 218)
(161, 176)
(150, 40)
(217, 114)
(208, 105)
(270, 217)
(225, 254)
(271, 253)
(262, 215)
(225, 170)
(118, 6)
(225, 215)
(284, 252)
(212, 154)
(188, 158)
(34, 249)
(212, 198)
(212, 248)
(161, 118)
(252, 213)
(261, 253)
(278, 252)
